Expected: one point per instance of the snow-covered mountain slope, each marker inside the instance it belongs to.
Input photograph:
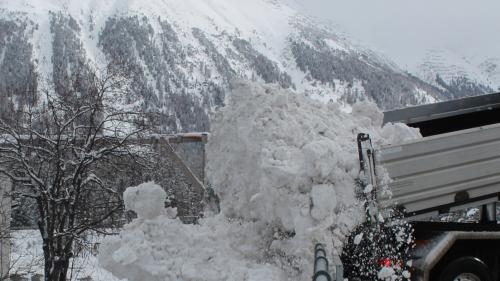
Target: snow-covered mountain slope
(458, 74)
(181, 55)
(491, 69)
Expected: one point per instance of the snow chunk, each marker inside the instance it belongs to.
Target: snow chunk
(387, 273)
(369, 113)
(146, 200)
(358, 239)
(124, 256)
(397, 133)
(368, 189)
(324, 201)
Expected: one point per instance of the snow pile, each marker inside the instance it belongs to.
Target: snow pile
(148, 201)
(154, 247)
(285, 168)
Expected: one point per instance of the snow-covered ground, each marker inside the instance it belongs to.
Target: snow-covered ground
(27, 258)
(284, 167)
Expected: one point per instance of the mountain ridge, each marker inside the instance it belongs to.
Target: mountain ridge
(450, 71)
(181, 55)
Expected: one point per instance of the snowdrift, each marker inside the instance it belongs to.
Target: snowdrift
(284, 167)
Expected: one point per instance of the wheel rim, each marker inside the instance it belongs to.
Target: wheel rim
(467, 277)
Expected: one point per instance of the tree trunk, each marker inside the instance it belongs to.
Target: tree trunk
(56, 264)
(56, 270)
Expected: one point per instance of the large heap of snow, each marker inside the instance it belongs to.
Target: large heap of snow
(285, 168)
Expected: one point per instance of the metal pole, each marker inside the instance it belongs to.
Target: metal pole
(488, 213)
(361, 138)
(320, 264)
(204, 148)
(5, 210)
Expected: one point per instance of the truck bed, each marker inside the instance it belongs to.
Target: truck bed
(438, 172)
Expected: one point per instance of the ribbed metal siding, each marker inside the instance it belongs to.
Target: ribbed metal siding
(428, 173)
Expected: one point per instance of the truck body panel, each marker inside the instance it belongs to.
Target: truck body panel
(443, 170)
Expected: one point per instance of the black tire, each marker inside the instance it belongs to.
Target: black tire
(466, 265)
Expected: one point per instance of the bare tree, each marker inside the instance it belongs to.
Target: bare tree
(62, 151)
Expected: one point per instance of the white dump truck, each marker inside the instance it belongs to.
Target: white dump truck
(455, 166)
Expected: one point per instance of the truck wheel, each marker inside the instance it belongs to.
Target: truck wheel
(466, 269)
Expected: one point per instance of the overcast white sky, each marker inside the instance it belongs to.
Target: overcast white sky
(404, 30)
